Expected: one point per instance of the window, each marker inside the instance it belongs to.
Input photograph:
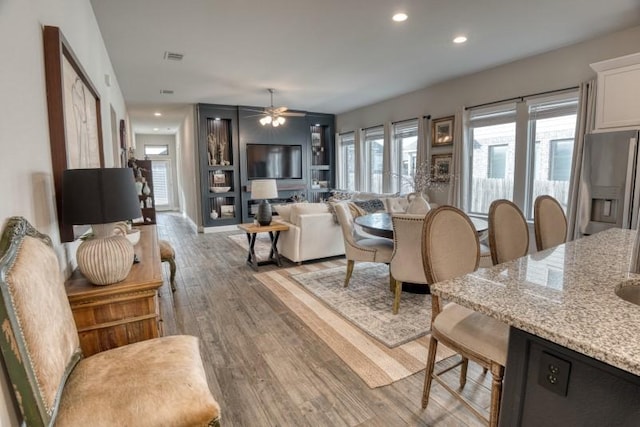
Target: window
(347, 161)
(161, 184)
(373, 158)
(493, 135)
(520, 151)
(156, 150)
(552, 125)
(405, 152)
(497, 161)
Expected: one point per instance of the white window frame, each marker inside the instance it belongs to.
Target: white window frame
(371, 134)
(346, 139)
(401, 131)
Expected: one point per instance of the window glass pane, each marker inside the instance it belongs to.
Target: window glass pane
(160, 171)
(492, 165)
(374, 152)
(156, 150)
(553, 152)
(405, 150)
(347, 166)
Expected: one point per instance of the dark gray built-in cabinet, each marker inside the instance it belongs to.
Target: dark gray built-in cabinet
(310, 136)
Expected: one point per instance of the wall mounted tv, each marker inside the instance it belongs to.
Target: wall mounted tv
(274, 161)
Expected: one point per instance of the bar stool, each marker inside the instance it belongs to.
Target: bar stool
(167, 254)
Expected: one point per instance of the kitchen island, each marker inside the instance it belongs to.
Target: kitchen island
(574, 346)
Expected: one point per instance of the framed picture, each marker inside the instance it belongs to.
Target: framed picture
(442, 131)
(227, 211)
(441, 167)
(73, 105)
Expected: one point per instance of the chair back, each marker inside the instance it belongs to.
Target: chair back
(39, 340)
(346, 223)
(406, 262)
(508, 232)
(549, 223)
(450, 246)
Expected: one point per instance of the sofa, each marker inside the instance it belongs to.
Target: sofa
(313, 228)
(313, 233)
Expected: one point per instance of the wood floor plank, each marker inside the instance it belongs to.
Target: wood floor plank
(265, 366)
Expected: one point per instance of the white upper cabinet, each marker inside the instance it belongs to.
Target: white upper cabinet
(618, 98)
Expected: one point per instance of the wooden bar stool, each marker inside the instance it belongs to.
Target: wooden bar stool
(167, 254)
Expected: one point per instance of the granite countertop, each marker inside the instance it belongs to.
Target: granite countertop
(565, 295)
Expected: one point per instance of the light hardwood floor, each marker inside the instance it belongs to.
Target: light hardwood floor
(265, 366)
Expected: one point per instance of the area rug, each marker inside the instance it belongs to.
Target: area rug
(262, 246)
(373, 361)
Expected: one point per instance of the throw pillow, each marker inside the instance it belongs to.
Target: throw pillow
(339, 195)
(370, 206)
(284, 211)
(355, 210)
(331, 206)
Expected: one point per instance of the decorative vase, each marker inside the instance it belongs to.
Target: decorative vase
(139, 186)
(146, 190)
(417, 204)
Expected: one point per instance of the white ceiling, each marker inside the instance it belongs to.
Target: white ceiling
(327, 56)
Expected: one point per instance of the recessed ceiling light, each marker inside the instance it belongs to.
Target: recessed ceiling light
(157, 114)
(155, 129)
(399, 17)
(460, 39)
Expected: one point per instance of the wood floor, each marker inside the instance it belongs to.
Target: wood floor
(265, 366)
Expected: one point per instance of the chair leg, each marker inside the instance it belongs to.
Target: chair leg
(172, 269)
(428, 373)
(392, 283)
(350, 264)
(396, 299)
(497, 373)
(463, 372)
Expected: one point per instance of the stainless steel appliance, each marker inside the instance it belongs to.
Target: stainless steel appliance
(609, 194)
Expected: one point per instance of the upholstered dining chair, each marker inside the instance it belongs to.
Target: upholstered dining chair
(450, 249)
(549, 222)
(370, 250)
(508, 232)
(406, 261)
(155, 382)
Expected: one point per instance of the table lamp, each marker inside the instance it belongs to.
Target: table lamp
(101, 198)
(263, 189)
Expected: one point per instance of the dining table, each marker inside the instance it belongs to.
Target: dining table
(379, 224)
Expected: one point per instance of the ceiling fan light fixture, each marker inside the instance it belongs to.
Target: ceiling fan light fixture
(280, 120)
(275, 123)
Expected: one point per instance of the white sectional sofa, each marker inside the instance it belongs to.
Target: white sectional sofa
(313, 231)
(312, 234)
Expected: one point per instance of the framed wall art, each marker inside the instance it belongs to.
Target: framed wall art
(73, 105)
(442, 131)
(441, 167)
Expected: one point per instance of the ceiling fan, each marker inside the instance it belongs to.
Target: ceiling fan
(275, 116)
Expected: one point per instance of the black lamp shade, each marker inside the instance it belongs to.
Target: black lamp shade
(99, 196)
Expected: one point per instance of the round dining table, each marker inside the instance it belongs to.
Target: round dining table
(379, 224)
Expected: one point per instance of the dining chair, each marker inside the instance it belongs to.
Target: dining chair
(367, 249)
(406, 262)
(508, 232)
(549, 223)
(155, 382)
(450, 248)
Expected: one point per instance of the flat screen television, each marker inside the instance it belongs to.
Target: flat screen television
(274, 161)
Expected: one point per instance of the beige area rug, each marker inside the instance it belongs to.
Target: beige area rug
(377, 364)
(262, 246)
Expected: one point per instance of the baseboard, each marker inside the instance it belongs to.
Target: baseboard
(192, 224)
(219, 229)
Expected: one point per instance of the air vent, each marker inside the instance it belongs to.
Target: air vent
(172, 56)
(166, 92)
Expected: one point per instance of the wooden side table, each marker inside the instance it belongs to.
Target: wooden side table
(252, 231)
(111, 316)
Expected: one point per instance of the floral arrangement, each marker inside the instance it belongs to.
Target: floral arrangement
(425, 177)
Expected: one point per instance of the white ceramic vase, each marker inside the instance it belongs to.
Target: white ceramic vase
(417, 204)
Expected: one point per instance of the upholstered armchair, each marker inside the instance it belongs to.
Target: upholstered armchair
(150, 383)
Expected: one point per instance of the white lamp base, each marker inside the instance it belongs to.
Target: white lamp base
(105, 259)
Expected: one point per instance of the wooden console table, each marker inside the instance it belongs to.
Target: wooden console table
(114, 315)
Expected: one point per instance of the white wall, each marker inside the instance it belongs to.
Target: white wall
(188, 170)
(26, 180)
(558, 69)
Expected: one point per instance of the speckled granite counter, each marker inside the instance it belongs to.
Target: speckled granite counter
(565, 295)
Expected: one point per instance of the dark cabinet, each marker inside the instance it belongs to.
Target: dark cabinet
(143, 172)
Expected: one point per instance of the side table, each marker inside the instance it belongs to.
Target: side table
(252, 231)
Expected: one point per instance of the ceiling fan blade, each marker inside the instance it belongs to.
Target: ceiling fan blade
(293, 114)
(279, 110)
